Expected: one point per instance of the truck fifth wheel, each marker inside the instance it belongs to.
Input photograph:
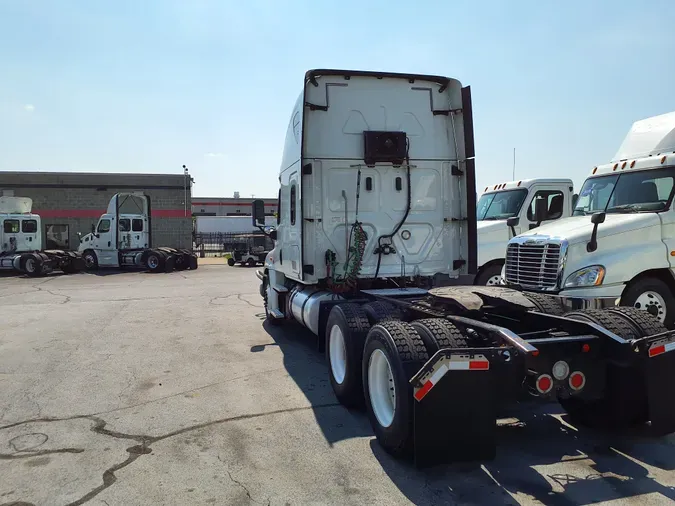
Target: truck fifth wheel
(377, 199)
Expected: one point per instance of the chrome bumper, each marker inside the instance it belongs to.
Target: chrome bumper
(573, 303)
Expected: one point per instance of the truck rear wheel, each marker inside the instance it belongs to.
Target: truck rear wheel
(346, 332)
(378, 311)
(193, 262)
(647, 324)
(623, 403)
(437, 333)
(389, 395)
(546, 303)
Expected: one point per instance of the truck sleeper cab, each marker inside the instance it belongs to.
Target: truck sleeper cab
(377, 198)
(515, 199)
(618, 246)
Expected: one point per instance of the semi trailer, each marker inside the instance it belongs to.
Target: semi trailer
(377, 196)
(21, 239)
(515, 199)
(618, 246)
(122, 238)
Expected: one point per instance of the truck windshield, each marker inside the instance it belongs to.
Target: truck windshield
(629, 192)
(500, 205)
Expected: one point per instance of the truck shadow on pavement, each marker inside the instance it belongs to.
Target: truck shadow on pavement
(540, 456)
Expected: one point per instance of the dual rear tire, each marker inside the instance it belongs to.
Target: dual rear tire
(370, 354)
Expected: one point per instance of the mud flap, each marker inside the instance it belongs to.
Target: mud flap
(455, 406)
(659, 373)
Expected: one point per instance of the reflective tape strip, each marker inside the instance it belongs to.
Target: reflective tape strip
(452, 365)
(660, 349)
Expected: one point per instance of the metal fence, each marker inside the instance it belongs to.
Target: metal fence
(213, 244)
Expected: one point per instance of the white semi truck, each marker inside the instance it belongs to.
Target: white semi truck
(378, 196)
(619, 245)
(122, 238)
(21, 240)
(512, 199)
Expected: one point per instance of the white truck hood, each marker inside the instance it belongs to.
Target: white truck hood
(490, 226)
(577, 229)
(493, 235)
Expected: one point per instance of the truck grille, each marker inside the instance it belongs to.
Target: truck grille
(533, 265)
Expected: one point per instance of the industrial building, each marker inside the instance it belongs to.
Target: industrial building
(229, 206)
(71, 202)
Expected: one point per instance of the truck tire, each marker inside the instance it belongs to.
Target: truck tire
(546, 303)
(390, 345)
(90, 260)
(193, 262)
(654, 296)
(31, 264)
(437, 333)
(251, 262)
(647, 324)
(378, 311)
(155, 261)
(491, 276)
(231, 262)
(623, 404)
(346, 332)
(169, 263)
(182, 261)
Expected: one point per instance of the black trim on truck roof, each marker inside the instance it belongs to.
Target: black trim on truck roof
(469, 154)
(311, 75)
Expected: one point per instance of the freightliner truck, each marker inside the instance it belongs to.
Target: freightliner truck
(122, 238)
(377, 196)
(619, 245)
(503, 201)
(21, 242)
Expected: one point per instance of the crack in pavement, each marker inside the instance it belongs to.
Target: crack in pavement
(143, 448)
(239, 297)
(28, 454)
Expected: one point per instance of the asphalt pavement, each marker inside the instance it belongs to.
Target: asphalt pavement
(134, 388)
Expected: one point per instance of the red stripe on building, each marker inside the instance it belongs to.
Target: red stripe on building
(235, 204)
(96, 213)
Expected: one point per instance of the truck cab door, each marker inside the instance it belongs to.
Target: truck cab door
(103, 241)
(124, 234)
(558, 204)
(140, 235)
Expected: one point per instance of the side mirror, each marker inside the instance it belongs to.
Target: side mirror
(596, 219)
(258, 213)
(540, 210)
(273, 235)
(512, 223)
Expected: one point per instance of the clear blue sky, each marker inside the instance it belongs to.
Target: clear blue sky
(146, 86)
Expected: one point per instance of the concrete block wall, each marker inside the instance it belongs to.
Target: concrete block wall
(78, 199)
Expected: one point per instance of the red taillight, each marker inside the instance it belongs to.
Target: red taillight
(544, 384)
(585, 348)
(577, 380)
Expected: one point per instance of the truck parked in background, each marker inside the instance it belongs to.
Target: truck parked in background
(619, 245)
(21, 239)
(377, 197)
(502, 201)
(228, 224)
(123, 238)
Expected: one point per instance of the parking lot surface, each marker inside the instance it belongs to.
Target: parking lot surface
(132, 388)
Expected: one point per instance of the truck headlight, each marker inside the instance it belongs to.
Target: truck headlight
(588, 276)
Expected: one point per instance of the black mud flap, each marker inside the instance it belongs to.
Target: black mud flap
(456, 403)
(659, 370)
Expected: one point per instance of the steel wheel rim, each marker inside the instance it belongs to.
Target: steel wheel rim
(89, 260)
(30, 265)
(653, 303)
(153, 261)
(338, 354)
(494, 280)
(381, 388)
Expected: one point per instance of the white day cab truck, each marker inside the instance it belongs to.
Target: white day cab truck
(618, 248)
(505, 201)
(21, 240)
(377, 197)
(122, 238)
